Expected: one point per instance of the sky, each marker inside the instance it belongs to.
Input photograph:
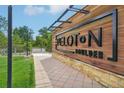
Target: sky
(35, 17)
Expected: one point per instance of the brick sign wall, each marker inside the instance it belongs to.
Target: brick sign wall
(96, 38)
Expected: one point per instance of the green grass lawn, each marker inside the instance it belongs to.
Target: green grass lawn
(23, 72)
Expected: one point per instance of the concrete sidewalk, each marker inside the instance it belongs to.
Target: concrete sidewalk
(52, 73)
(41, 77)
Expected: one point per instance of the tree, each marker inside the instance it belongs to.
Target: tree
(18, 45)
(43, 31)
(3, 40)
(24, 33)
(24, 36)
(41, 42)
(44, 40)
(3, 23)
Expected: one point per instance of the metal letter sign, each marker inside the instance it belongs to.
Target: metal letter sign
(72, 40)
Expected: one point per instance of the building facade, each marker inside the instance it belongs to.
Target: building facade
(94, 43)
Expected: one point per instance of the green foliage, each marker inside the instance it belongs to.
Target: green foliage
(24, 33)
(3, 23)
(44, 40)
(3, 27)
(49, 42)
(41, 42)
(43, 31)
(29, 48)
(22, 39)
(3, 40)
(17, 43)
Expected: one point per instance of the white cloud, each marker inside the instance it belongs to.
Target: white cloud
(57, 8)
(33, 10)
(36, 10)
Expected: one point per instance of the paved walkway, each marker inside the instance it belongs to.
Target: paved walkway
(41, 77)
(60, 75)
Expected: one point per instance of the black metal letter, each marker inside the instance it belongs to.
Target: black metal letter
(114, 57)
(98, 41)
(70, 40)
